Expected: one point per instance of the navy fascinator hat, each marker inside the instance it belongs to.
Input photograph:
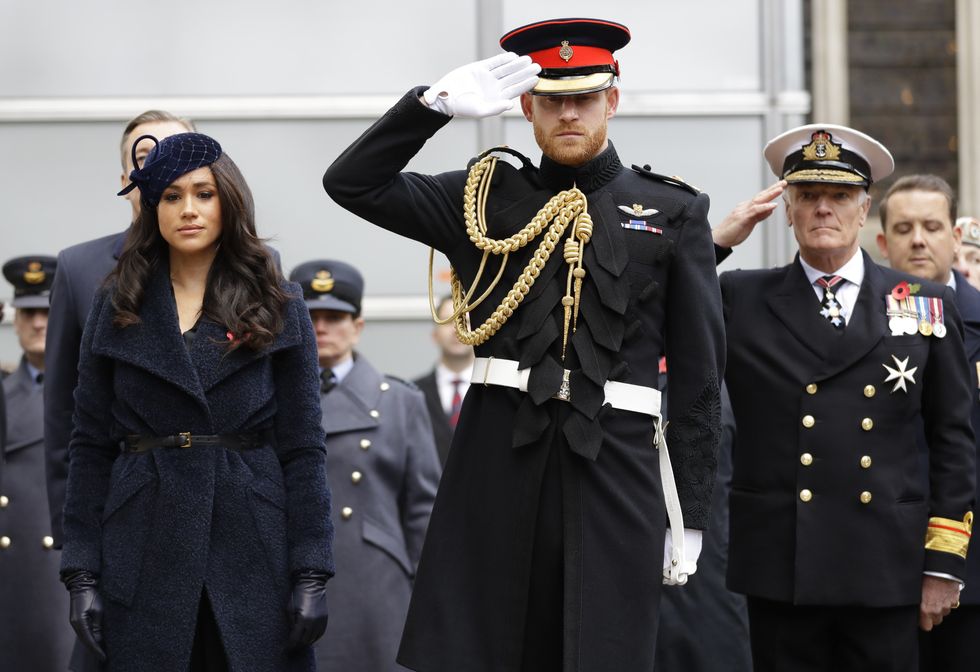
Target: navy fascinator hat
(172, 157)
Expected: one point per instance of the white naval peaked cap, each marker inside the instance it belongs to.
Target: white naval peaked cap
(828, 153)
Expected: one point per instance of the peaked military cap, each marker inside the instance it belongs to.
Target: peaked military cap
(828, 153)
(170, 158)
(31, 277)
(575, 55)
(971, 230)
(330, 285)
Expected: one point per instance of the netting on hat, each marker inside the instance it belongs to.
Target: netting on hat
(171, 157)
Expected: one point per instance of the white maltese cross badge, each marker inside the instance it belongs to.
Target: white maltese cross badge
(901, 374)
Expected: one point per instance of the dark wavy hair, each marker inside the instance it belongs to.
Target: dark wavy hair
(244, 290)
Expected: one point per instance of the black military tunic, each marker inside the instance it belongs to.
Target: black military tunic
(650, 287)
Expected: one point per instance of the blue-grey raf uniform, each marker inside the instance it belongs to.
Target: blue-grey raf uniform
(33, 604)
(383, 471)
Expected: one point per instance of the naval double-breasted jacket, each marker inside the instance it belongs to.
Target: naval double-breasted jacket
(829, 503)
(650, 287)
(160, 526)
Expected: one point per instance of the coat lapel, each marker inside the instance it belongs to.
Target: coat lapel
(868, 323)
(348, 406)
(155, 344)
(795, 304)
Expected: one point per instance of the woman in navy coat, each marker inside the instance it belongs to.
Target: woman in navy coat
(197, 516)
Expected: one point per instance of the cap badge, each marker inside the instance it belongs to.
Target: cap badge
(565, 52)
(34, 275)
(821, 148)
(322, 282)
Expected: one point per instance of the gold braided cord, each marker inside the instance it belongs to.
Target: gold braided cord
(553, 219)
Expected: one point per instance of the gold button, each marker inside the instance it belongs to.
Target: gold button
(808, 421)
(869, 391)
(385, 387)
(356, 477)
(48, 543)
(374, 414)
(865, 461)
(365, 444)
(865, 497)
(867, 424)
(811, 388)
(4, 542)
(346, 513)
(806, 495)
(806, 459)
(4, 501)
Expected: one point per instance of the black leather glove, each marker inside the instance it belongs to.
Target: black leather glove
(308, 607)
(85, 610)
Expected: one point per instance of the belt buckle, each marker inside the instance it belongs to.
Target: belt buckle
(564, 392)
(185, 440)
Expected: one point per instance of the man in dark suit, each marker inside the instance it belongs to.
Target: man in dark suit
(81, 270)
(833, 363)
(33, 605)
(383, 471)
(445, 386)
(918, 236)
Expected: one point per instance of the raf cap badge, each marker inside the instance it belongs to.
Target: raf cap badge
(34, 275)
(322, 282)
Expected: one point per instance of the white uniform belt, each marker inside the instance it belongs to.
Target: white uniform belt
(624, 396)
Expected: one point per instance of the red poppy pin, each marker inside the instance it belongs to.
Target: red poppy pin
(903, 290)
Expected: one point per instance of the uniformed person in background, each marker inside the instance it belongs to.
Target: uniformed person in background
(81, 270)
(919, 236)
(383, 471)
(833, 361)
(545, 546)
(445, 385)
(35, 634)
(968, 257)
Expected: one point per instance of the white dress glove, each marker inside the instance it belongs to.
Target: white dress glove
(680, 563)
(485, 88)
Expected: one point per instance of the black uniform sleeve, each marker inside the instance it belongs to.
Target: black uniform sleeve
(695, 347)
(366, 179)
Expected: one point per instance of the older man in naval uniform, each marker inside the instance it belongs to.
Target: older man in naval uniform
(545, 550)
(833, 363)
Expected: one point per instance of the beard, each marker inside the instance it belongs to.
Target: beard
(580, 151)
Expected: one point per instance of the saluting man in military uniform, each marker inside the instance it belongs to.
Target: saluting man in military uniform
(383, 470)
(546, 545)
(840, 540)
(35, 634)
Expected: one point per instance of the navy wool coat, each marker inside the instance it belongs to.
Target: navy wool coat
(161, 526)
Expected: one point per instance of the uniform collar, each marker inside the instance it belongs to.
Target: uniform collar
(597, 173)
(341, 370)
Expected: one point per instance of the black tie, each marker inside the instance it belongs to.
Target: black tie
(328, 381)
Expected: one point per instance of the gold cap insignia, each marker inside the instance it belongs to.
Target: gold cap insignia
(322, 283)
(637, 209)
(34, 275)
(565, 51)
(821, 148)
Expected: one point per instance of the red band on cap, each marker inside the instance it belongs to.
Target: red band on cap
(581, 57)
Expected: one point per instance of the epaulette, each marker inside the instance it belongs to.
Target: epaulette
(672, 179)
(407, 383)
(526, 163)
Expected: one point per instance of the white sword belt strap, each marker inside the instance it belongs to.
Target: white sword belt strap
(622, 396)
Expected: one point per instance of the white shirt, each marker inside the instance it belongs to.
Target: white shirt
(847, 291)
(444, 383)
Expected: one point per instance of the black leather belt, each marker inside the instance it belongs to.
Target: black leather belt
(137, 443)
